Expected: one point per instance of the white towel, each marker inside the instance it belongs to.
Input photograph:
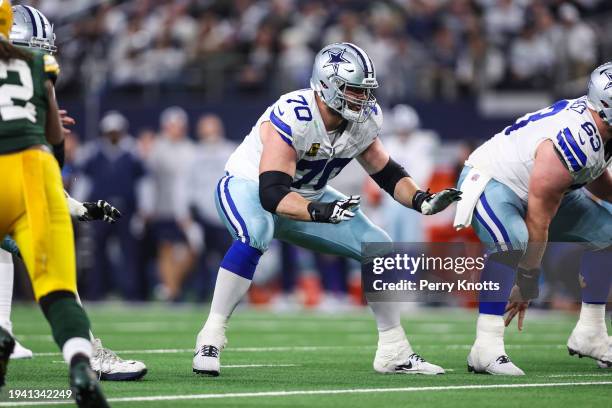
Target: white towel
(473, 185)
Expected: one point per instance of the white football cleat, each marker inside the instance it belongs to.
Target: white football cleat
(398, 358)
(591, 343)
(20, 352)
(500, 366)
(206, 360)
(206, 356)
(483, 360)
(110, 367)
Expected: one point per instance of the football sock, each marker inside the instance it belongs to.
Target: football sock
(593, 316)
(233, 282)
(7, 272)
(596, 276)
(76, 348)
(68, 321)
(391, 336)
(78, 299)
(387, 315)
(499, 268)
(490, 328)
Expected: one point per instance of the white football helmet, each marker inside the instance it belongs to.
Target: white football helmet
(600, 91)
(32, 29)
(340, 66)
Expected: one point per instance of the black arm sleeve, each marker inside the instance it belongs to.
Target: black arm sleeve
(59, 153)
(273, 187)
(388, 177)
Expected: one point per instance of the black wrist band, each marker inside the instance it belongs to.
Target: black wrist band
(320, 212)
(418, 198)
(527, 281)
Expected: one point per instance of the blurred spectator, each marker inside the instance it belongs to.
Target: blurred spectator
(196, 195)
(531, 59)
(349, 28)
(503, 19)
(444, 52)
(110, 169)
(167, 162)
(579, 40)
(479, 67)
(260, 60)
(413, 148)
(217, 46)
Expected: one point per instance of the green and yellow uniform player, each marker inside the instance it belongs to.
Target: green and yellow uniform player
(33, 207)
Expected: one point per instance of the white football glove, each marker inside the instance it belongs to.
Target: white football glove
(335, 211)
(428, 204)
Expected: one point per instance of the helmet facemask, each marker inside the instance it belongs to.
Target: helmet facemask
(353, 108)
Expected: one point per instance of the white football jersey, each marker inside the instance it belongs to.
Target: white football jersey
(321, 155)
(509, 155)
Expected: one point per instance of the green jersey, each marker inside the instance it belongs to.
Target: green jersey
(23, 100)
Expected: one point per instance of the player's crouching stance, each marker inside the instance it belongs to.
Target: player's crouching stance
(523, 189)
(276, 187)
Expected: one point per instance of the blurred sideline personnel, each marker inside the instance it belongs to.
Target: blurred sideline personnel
(105, 362)
(170, 155)
(110, 167)
(276, 187)
(406, 138)
(523, 189)
(196, 200)
(34, 207)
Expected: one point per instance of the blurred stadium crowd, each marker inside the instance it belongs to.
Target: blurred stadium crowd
(170, 240)
(422, 48)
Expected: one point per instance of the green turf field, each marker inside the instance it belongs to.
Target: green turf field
(310, 359)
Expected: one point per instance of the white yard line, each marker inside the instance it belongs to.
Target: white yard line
(609, 375)
(307, 349)
(314, 392)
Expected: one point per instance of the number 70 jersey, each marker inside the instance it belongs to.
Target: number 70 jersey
(509, 155)
(320, 155)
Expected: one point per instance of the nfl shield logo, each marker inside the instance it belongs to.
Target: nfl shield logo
(313, 149)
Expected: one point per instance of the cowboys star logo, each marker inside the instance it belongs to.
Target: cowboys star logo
(335, 59)
(609, 75)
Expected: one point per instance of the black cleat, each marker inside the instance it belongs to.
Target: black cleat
(84, 385)
(7, 344)
(573, 352)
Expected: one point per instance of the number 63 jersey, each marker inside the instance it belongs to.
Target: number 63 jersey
(321, 155)
(508, 156)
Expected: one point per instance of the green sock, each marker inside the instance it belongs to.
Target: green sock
(66, 317)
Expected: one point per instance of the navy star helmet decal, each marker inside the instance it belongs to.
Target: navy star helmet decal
(335, 59)
(609, 75)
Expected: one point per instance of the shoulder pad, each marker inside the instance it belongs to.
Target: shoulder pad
(51, 67)
(573, 153)
(290, 115)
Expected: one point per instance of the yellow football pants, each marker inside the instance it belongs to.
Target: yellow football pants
(34, 211)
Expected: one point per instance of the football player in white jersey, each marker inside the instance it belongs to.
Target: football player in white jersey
(522, 189)
(276, 187)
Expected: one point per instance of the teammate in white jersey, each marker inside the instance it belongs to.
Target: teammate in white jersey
(276, 187)
(523, 188)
